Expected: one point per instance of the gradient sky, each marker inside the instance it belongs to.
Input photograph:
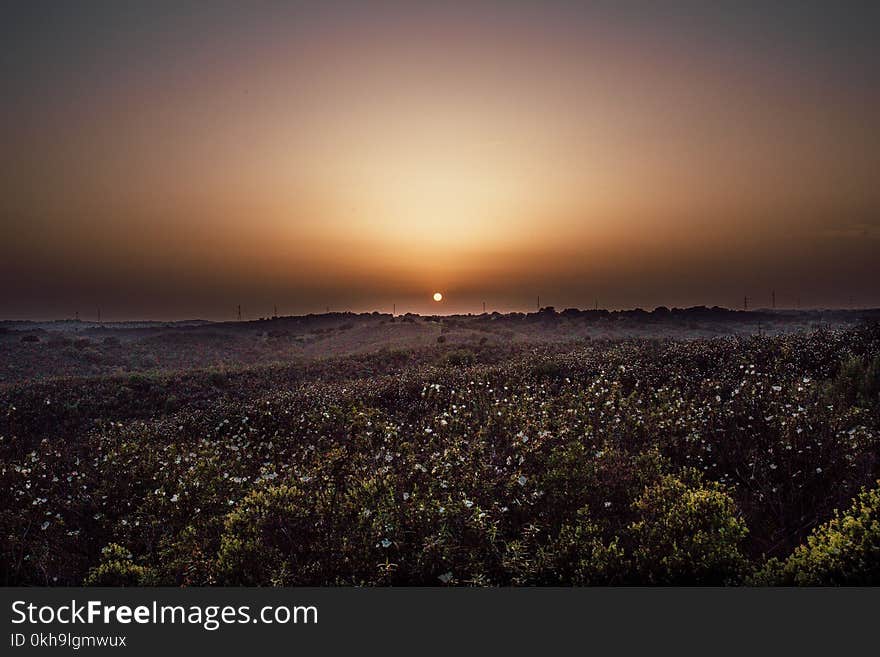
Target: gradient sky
(164, 160)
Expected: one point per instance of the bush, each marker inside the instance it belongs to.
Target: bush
(537, 464)
(139, 382)
(843, 551)
(857, 382)
(687, 534)
(549, 369)
(185, 559)
(118, 569)
(576, 556)
(459, 358)
(285, 535)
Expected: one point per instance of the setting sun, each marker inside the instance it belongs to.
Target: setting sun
(438, 296)
(504, 152)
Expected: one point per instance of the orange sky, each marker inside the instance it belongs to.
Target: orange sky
(176, 163)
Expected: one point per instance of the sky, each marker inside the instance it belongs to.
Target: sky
(174, 160)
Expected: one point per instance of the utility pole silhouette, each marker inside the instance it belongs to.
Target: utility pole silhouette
(539, 302)
(596, 306)
(773, 299)
(745, 303)
(239, 312)
(484, 307)
(393, 309)
(276, 311)
(77, 315)
(99, 315)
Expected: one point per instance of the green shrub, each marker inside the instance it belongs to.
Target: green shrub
(457, 539)
(185, 560)
(857, 382)
(581, 558)
(687, 533)
(459, 358)
(140, 382)
(286, 535)
(576, 556)
(117, 568)
(843, 551)
(549, 369)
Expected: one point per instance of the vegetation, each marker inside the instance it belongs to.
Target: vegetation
(683, 462)
(845, 550)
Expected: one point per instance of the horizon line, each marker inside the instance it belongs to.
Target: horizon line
(544, 309)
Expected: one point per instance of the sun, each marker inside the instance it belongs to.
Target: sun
(438, 296)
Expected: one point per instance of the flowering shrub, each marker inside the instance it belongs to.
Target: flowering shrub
(843, 551)
(687, 534)
(577, 555)
(606, 462)
(285, 535)
(118, 569)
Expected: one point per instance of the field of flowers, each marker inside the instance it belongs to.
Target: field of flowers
(731, 460)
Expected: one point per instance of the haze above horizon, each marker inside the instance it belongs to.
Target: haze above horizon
(173, 160)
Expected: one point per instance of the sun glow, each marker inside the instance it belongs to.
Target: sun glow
(438, 296)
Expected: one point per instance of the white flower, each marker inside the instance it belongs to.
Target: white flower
(445, 577)
(521, 480)
(44, 525)
(386, 543)
(607, 505)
